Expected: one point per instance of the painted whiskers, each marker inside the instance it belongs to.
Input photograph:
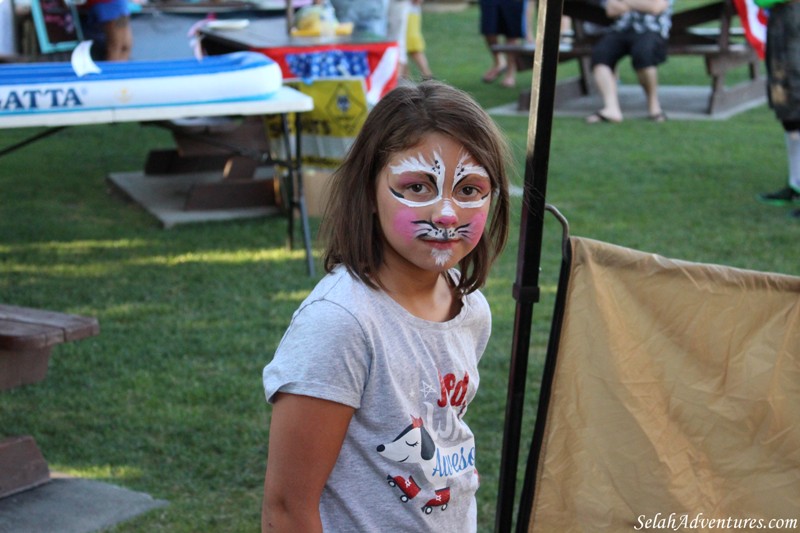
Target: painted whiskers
(440, 229)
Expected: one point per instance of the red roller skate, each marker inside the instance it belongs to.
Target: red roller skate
(440, 500)
(408, 487)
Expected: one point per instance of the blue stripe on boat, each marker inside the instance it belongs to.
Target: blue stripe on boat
(34, 73)
(65, 110)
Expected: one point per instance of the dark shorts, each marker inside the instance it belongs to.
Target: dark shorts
(783, 61)
(503, 17)
(647, 49)
(107, 11)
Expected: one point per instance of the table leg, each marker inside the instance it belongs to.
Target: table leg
(289, 182)
(297, 198)
(301, 195)
(31, 139)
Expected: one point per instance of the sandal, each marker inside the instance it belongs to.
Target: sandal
(597, 118)
(492, 74)
(658, 117)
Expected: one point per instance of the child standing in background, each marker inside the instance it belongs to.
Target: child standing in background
(397, 25)
(415, 42)
(371, 381)
(109, 23)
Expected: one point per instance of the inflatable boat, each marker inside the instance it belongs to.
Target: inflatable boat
(60, 94)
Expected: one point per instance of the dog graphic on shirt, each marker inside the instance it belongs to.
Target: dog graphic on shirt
(415, 445)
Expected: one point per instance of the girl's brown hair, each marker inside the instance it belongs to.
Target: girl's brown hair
(398, 122)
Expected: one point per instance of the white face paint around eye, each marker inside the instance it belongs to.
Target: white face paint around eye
(464, 169)
(421, 165)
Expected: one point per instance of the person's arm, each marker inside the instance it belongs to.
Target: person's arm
(615, 8)
(654, 7)
(305, 437)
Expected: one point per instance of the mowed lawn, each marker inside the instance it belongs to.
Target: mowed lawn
(168, 400)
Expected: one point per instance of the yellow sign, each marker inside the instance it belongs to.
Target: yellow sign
(340, 109)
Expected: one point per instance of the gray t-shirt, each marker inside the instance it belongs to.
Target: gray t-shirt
(408, 460)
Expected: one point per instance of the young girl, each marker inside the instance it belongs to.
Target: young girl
(371, 382)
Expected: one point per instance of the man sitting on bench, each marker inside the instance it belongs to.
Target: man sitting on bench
(641, 29)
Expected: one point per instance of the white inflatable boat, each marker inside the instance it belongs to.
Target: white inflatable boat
(53, 94)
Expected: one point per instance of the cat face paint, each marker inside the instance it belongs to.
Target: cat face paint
(433, 202)
(433, 168)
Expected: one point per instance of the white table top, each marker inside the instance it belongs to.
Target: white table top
(286, 100)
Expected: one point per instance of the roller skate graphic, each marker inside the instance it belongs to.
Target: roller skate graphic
(441, 499)
(408, 487)
(416, 446)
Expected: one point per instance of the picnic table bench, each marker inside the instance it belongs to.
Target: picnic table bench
(27, 338)
(704, 31)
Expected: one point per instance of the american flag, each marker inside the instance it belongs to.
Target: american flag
(754, 22)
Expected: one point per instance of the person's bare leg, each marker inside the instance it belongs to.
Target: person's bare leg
(530, 29)
(648, 79)
(498, 60)
(566, 24)
(119, 39)
(510, 79)
(421, 60)
(606, 80)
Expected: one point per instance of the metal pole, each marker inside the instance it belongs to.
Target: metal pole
(289, 17)
(526, 286)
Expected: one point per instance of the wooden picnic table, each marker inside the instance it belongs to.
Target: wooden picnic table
(706, 31)
(27, 338)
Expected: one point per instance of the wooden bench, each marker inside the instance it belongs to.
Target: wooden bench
(27, 337)
(704, 31)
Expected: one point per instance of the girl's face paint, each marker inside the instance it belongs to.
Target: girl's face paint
(433, 202)
(421, 193)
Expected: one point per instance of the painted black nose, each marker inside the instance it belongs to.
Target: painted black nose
(381, 447)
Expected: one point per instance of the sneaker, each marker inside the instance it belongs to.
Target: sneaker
(785, 196)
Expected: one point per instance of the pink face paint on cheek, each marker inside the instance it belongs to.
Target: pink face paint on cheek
(476, 225)
(403, 223)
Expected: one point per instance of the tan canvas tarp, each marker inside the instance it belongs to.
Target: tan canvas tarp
(676, 390)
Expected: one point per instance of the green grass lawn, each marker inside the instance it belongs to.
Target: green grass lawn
(168, 398)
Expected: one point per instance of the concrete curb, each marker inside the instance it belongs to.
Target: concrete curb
(72, 505)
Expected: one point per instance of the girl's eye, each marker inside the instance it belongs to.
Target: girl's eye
(419, 190)
(471, 192)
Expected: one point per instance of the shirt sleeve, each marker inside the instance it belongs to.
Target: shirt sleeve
(323, 354)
